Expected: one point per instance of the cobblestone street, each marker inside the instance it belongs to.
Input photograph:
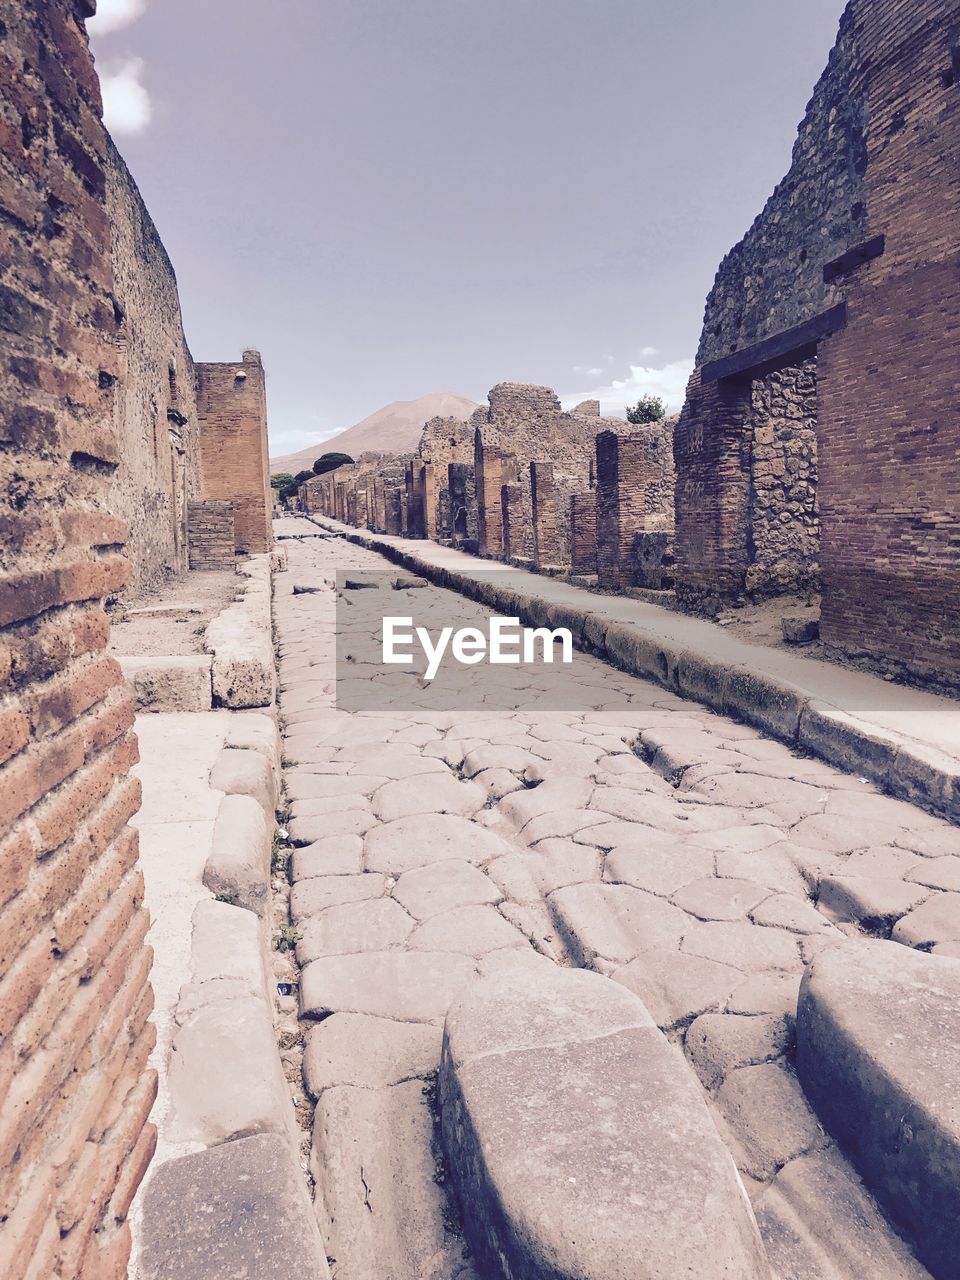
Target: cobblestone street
(678, 853)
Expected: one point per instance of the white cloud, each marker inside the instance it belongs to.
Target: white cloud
(646, 352)
(669, 381)
(126, 102)
(293, 439)
(111, 15)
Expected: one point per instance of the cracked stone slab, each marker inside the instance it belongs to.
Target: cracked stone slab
(672, 989)
(770, 1118)
(367, 1052)
(443, 886)
(310, 897)
(615, 921)
(373, 924)
(936, 920)
(878, 1052)
(412, 986)
(469, 930)
(561, 1103)
(416, 841)
(380, 1208)
(237, 1210)
(429, 793)
(718, 1043)
(715, 899)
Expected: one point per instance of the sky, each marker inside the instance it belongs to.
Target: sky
(394, 197)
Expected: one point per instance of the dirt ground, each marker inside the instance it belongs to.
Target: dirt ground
(171, 619)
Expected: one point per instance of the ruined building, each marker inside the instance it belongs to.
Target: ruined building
(524, 481)
(111, 438)
(819, 440)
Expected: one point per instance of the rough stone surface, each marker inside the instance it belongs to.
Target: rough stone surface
(247, 773)
(238, 1210)
(412, 986)
(168, 684)
(238, 868)
(878, 1052)
(560, 1104)
(367, 1052)
(415, 841)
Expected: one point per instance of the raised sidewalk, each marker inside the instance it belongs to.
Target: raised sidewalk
(903, 739)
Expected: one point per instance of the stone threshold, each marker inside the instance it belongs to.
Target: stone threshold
(903, 739)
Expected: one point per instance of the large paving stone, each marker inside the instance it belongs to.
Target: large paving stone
(615, 921)
(470, 930)
(878, 1040)
(443, 886)
(310, 897)
(579, 1140)
(237, 1210)
(372, 1053)
(413, 986)
(248, 773)
(428, 793)
(770, 1118)
(936, 920)
(374, 924)
(674, 988)
(416, 841)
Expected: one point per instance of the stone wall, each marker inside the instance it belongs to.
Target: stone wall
(854, 260)
(784, 520)
(74, 968)
(232, 409)
(155, 410)
(210, 535)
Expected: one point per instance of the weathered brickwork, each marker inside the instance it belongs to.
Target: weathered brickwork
(462, 486)
(443, 441)
(232, 408)
(210, 535)
(583, 532)
(634, 487)
(155, 409)
(74, 968)
(856, 260)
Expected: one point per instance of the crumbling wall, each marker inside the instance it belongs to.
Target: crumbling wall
(784, 518)
(155, 412)
(855, 260)
(74, 968)
(232, 409)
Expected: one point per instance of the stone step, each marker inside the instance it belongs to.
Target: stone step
(579, 1141)
(878, 1053)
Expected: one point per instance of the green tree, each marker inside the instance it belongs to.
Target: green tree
(280, 479)
(301, 476)
(647, 409)
(329, 462)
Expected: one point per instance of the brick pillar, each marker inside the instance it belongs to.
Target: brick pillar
(543, 498)
(430, 500)
(512, 521)
(489, 481)
(712, 454)
(463, 502)
(351, 503)
(210, 538)
(405, 511)
(393, 513)
(583, 532)
(75, 988)
(621, 504)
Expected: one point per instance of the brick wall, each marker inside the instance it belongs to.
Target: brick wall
(866, 224)
(583, 532)
(889, 422)
(232, 409)
(210, 535)
(633, 497)
(155, 411)
(74, 968)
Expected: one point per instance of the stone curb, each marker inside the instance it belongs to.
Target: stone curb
(240, 638)
(169, 683)
(240, 1209)
(780, 708)
(228, 1093)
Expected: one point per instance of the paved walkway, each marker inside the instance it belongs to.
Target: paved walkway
(676, 851)
(903, 737)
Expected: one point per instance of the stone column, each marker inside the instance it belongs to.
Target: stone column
(621, 505)
(543, 497)
(512, 522)
(583, 532)
(489, 480)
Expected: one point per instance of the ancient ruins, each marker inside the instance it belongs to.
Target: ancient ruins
(662, 980)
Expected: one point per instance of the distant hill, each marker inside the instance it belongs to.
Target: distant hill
(393, 429)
